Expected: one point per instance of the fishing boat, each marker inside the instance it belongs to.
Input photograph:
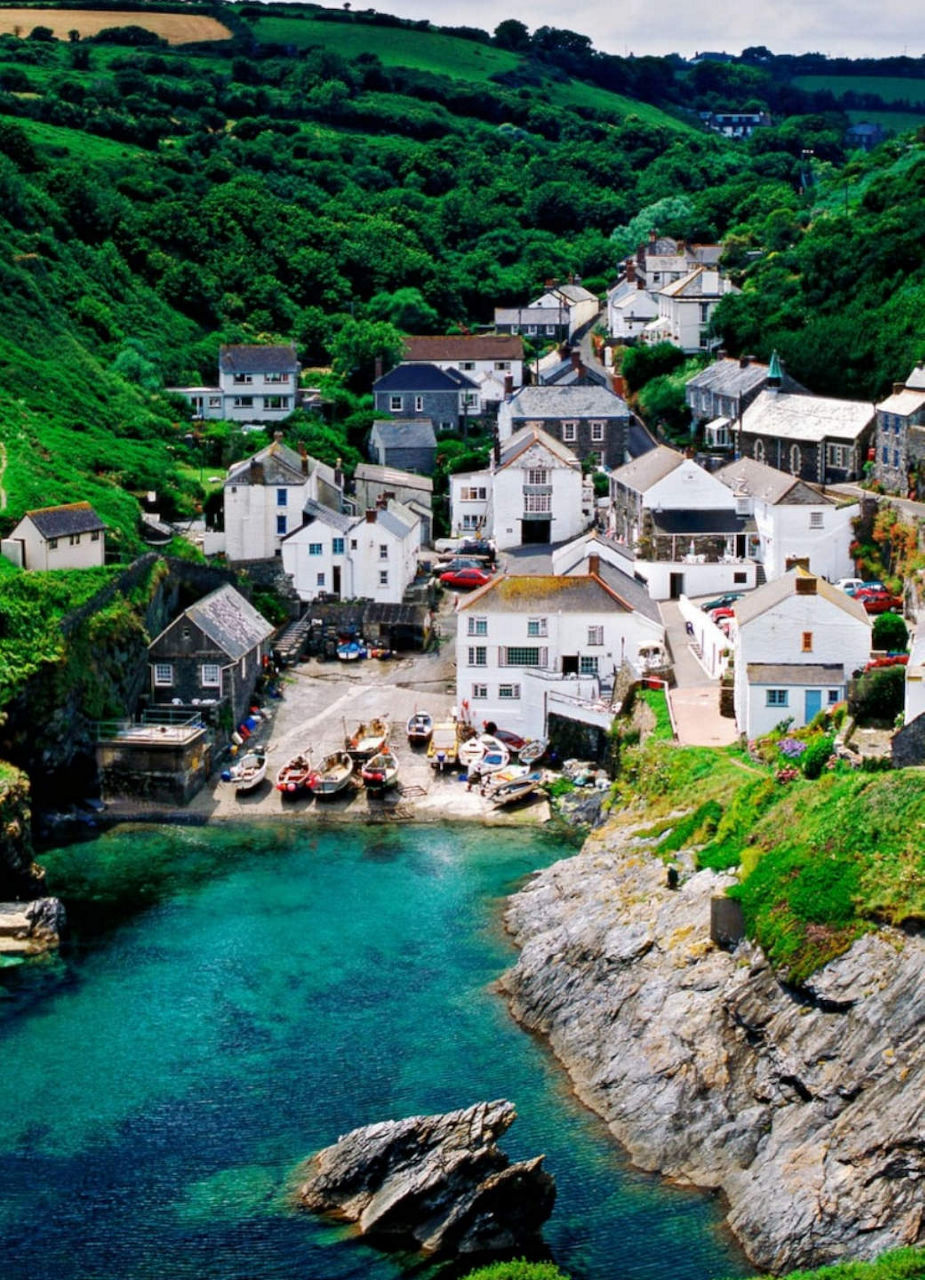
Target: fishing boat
(333, 776)
(293, 778)
(495, 755)
(351, 650)
(514, 790)
(248, 772)
(369, 737)
(380, 771)
(533, 751)
(442, 750)
(470, 752)
(419, 728)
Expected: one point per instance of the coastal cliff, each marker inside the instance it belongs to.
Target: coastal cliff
(804, 1107)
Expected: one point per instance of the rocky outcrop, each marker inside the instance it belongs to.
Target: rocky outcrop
(804, 1107)
(20, 877)
(438, 1181)
(29, 928)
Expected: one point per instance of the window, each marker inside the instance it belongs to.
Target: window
(210, 676)
(319, 580)
(885, 456)
(833, 696)
(243, 402)
(395, 404)
(520, 656)
(275, 378)
(243, 379)
(472, 493)
(52, 544)
(95, 535)
(418, 404)
(531, 328)
(470, 522)
(503, 366)
(276, 402)
(315, 548)
(777, 698)
(817, 520)
(163, 673)
(337, 546)
(383, 577)
(550, 329)
(280, 524)
(538, 503)
(478, 627)
(595, 635)
(508, 690)
(597, 432)
(739, 579)
(479, 691)
(353, 544)
(470, 399)
(537, 475)
(807, 642)
(74, 539)
(537, 626)
(467, 366)
(895, 457)
(569, 432)
(587, 665)
(759, 451)
(282, 497)
(838, 455)
(383, 551)
(215, 402)
(795, 459)
(478, 655)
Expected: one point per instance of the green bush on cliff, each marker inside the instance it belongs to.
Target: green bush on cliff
(901, 1264)
(519, 1269)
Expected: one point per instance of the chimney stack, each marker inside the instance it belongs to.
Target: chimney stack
(508, 385)
(897, 387)
(619, 385)
(339, 474)
(576, 362)
(743, 362)
(630, 271)
(653, 236)
(594, 566)
(303, 454)
(378, 367)
(682, 248)
(278, 437)
(370, 516)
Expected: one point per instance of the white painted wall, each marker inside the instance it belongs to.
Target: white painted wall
(569, 510)
(786, 531)
(697, 579)
(373, 551)
(251, 512)
(306, 567)
(689, 488)
(469, 515)
(27, 548)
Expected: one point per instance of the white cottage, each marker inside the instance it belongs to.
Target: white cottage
(71, 536)
(315, 554)
(538, 493)
(382, 553)
(800, 640)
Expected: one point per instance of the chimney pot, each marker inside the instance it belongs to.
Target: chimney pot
(378, 367)
(370, 515)
(743, 362)
(897, 387)
(508, 385)
(277, 436)
(594, 565)
(576, 361)
(630, 270)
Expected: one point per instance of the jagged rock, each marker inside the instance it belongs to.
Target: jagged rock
(27, 928)
(440, 1181)
(804, 1107)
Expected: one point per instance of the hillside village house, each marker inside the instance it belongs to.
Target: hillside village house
(372, 483)
(557, 314)
(315, 554)
(590, 421)
(793, 521)
(533, 492)
(630, 306)
(900, 440)
(662, 260)
(718, 395)
(255, 384)
(408, 444)
(564, 368)
(680, 526)
(373, 556)
(71, 536)
(493, 361)
(799, 642)
(445, 396)
(213, 652)
(528, 646)
(819, 439)
(264, 496)
(685, 309)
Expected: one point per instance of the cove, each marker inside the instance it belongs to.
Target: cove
(234, 998)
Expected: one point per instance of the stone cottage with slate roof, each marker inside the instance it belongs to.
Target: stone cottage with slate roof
(445, 396)
(556, 314)
(255, 384)
(408, 444)
(590, 421)
(213, 652)
(718, 395)
(264, 496)
(817, 438)
(71, 536)
(900, 441)
(489, 359)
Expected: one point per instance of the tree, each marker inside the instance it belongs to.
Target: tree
(512, 34)
(406, 309)
(890, 632)
(359, 344)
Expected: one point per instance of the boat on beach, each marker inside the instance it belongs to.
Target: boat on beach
(495, 755)
(333, 776)
(442, 750)
(513, 790)
(470, 752)
(351, 651)
(293, 778)
(248, 772)
(533, 751)
(419, 728)
(369, 737)
(380, 772)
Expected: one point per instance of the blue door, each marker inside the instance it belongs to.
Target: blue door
(813, 704)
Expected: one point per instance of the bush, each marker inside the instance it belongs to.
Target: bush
(890, 632)
(878, 695)
(816, 757)
(519, 1269)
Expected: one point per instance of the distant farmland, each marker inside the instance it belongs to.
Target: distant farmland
(175, 28)
(889, 88)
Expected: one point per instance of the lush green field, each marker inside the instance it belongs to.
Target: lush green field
(897, 121)
(889, 88)
(77, 144)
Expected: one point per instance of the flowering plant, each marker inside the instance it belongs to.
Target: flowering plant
(792, 748)
(788, 775)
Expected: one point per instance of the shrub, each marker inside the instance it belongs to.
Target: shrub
(816, 756)
(890, 632)
(519, 1269)
(878, 695)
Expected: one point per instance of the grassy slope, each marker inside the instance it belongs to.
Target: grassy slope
(902, 1264)
(889, 88)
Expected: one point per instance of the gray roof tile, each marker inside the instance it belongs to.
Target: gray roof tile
(230, 621)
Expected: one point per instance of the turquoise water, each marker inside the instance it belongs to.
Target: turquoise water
(234, 999)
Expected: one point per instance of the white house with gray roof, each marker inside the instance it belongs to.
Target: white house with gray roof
(315, 554)
(255, 384)
(718, 395)
(372, 483)
(70, 536)
(591, 421)
(528, 646)
(818, 438)
(793, 521)
(685, 309)
(556, 314)
(798, 644)
(382, 553)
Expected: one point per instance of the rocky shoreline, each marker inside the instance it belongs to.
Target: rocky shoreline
(804, 1108)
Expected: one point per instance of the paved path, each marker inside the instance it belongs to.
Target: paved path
(695, 699)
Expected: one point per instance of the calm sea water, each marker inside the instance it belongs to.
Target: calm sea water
(234, 999)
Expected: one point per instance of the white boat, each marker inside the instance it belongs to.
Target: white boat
(495, 755)
(334, 775)
(293, 778)
(419, 728)
(515, 789)
(442, 750)
(367, 739)
(249, 771)
(533, 751)
(470, 752)
(380, 772)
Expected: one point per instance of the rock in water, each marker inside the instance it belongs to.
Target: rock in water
(440, 1181)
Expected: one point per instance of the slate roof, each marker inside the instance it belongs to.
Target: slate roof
(522, 440)
(277, 464)
(632, 592)
(257, 359)
(564, 374)
(230, 621)
(405, 433)
(62, 521)
(697, 523)
(772, 593)
(730, 378)
(396, 518)
(327, 515)
(916, 379)
(904, 402)
(639, 439)
(758, 480)
(370, 473)
(574, 293)
(783, 673)
(527, 593)
(532, 315)
(567, 402)
(693, 285)
(648, 468)
(805, 418)
(423, 377)
(481, 346)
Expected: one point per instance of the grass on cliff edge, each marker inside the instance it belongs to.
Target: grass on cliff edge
(901, 1264)
(821, 861)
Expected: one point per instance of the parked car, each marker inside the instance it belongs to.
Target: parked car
(722, 602)
(849, 585)
(719, 614)
(875, 601)
(893, 660)
(465, 579)
(461, 562)
(478, 547)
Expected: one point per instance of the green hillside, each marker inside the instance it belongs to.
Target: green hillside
(889, 88)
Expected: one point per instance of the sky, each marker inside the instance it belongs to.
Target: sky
(851, 28)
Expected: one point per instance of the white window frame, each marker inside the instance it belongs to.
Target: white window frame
(383, 551)
(478, 655)
(817, 519)
(479, 691)
(588, 664)
(569, 432)
(418, 404)
(163, 675)
(595, 636)
(537, 627)
(383, 577)
(597, 432)
(508, 692)
(537, 475)
(477, 627)
(210, 675)
(395, 404)
(779, 698)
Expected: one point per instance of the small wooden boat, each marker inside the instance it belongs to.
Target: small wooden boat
(248, 772)
(367, 739)
(495, 755)
(442, 751)
(419, 728)
(514, 790)
(334, 775)
(350, 651)
(293, 778)
(470, 752)
(533, 751)
(380, 771)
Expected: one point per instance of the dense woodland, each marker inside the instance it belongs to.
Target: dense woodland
(156, 201)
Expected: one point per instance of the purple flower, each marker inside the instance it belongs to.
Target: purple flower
(792, 748)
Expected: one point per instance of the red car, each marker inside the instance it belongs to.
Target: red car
(878, 601)
(465, 579)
